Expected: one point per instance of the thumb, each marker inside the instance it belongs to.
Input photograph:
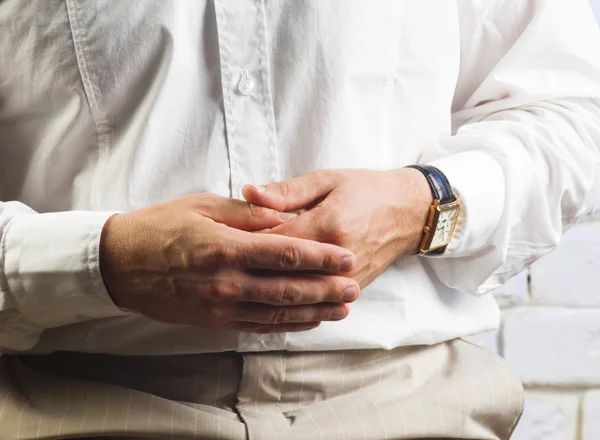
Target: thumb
(242, 215)
(292, 194)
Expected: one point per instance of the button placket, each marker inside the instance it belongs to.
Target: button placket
(249, 121)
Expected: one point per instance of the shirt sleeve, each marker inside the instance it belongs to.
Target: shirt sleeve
(524, 157)
(49, 272)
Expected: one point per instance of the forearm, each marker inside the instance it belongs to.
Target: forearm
(525, 156)
(537, 172)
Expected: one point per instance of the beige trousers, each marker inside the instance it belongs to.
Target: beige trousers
(450, 390)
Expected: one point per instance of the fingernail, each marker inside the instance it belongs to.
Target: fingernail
(338, 313)
(350, 294)
(261, 188)
(286, 216)
(347, 263)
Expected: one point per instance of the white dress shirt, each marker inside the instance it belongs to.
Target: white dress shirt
(111, 105)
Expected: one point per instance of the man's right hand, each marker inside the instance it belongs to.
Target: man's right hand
(195, 261)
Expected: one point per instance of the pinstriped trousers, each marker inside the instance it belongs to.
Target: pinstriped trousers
(450, 390)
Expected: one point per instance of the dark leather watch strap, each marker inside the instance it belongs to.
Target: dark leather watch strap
(439, 184)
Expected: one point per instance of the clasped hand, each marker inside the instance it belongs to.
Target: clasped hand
(199, 260)
(378, 215)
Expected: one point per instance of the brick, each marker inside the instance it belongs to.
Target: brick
(569, 274)
(487, 340)
(514, 292)
(553, 346)
(548, 416)
(591, 416)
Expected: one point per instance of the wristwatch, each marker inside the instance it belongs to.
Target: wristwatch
(443, 214)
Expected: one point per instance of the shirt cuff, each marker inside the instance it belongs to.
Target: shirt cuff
(478, 181)
(52, 267)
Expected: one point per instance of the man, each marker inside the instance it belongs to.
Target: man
(195, 192)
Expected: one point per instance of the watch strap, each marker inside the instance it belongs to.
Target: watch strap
(438, 182)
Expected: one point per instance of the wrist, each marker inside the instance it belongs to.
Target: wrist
(415, 200)
(110, 255)
(422, 206)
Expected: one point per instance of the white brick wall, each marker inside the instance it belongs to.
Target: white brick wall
(591, 415)
(549, 416)
(553, 347)
(550, 335)
(576, 281)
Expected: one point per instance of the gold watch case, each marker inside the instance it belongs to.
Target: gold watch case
(430, 228)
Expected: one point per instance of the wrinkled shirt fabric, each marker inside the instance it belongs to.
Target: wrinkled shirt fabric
(109, 106)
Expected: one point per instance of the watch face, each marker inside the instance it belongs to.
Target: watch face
(445, 225)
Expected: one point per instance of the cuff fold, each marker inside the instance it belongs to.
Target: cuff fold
(478, 181)
(52, 267)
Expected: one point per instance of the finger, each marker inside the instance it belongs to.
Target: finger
(276, 252)
(296, 290)
(240, 214)
(250, 327)
(311, 225)
(263, 314)
(292, 194)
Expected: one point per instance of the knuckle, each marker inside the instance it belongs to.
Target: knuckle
(324, 229)
(224, 254)
(279, 316)
(215, 314)
(200, 201)
(283, 188)
(209, 198)
(259, 293)
(291, 294)
(339, 232)
(290, 257)
(330, 261)
(321, 314)
(214, 292)
(315, 174)
(259, 212)
(334, 289)
(221, 290)
(264, 329)
(315, 314)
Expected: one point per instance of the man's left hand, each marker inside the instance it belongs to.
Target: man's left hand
(378, 215)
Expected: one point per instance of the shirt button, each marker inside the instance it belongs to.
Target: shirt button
(246, 85)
